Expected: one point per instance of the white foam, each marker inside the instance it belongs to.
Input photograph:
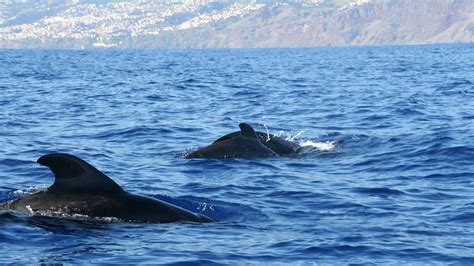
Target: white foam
(76, 216)
(30, 210)
(322, 146)
(26, 191)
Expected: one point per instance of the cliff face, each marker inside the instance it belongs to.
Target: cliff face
(394, 22)
(412, 21)
(256, 24)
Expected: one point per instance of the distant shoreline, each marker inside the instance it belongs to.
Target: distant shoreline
(234, 25)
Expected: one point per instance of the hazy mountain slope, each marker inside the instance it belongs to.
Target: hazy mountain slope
(186, 24)
(402, 22)
(399, 22)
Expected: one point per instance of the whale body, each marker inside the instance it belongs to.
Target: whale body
(80, 189)
(279, 145)
(246, 143)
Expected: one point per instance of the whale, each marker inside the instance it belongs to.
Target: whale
(244, 143)
(279, 145)
(80, 190)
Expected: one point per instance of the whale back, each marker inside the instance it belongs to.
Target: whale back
(274, 143)
(73, 175)
(80, 189)
(245, 143)
(247, 131)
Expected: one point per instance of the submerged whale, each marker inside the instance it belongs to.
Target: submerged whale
(80, 189)
(245, 143)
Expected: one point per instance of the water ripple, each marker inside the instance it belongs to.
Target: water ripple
(393, 184)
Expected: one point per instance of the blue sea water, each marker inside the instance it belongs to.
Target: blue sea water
(387, 174)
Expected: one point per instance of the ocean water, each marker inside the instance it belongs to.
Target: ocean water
(386, 176)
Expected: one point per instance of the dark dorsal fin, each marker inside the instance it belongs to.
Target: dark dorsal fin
(75, 175)
(247, 131)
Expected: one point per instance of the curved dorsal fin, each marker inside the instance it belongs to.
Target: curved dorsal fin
(247, 131)
(75, 175)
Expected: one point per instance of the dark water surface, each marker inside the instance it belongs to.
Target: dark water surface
(399, 188)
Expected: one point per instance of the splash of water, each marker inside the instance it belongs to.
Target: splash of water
(268, 133)
(74, 216)
(27, 191)
(292, 138)
(322, 146)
